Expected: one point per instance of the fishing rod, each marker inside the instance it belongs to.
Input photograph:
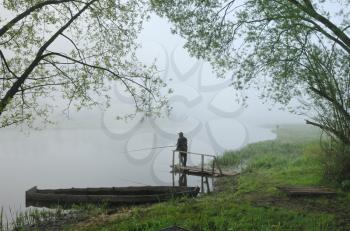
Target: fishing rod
(143, 149)
(132, 181)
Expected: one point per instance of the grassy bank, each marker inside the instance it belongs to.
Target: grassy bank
(250, 201)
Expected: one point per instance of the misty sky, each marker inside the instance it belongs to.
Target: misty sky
(191, 80)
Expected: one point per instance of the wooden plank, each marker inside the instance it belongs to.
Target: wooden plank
(306, 190)
(174, 228)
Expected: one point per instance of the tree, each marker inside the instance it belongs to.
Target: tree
(71, 49)
(289, 49)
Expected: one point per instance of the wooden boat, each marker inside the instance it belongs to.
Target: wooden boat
(114, 196)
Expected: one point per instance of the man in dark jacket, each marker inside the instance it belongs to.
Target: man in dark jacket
(181, 146)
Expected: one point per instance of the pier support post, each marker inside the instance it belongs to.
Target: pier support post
(173, 170)
(207, 182)
(202, 168)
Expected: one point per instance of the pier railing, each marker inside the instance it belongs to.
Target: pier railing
(203, 172)
(214, 163)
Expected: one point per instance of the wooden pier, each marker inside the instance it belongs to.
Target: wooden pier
(198, 171)
(202, 170)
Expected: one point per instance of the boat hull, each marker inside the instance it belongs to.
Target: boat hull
(116, 196)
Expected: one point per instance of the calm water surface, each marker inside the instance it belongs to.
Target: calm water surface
(64, 158)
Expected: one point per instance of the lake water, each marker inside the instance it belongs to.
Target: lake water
(72, 157)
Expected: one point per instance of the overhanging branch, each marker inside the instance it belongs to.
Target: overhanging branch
(339, 135)
(27, 12)
(39, 56)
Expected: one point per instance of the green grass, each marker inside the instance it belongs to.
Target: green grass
(217, 212)
(251, 201)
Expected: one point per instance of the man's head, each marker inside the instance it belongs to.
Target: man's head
(181, 134)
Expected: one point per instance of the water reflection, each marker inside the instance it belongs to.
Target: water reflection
(183, 179)
(205, 183)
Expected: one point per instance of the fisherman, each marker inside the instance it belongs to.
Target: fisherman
(181, 146)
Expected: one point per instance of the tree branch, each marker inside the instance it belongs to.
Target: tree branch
(310, 10)
(329, 130)
(39, 56)
(27, 12)
(333, 101)
(6, 64)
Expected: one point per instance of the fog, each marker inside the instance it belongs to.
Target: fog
(92, 148)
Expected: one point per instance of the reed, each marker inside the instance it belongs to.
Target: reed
(39, 217)
(4, 225)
